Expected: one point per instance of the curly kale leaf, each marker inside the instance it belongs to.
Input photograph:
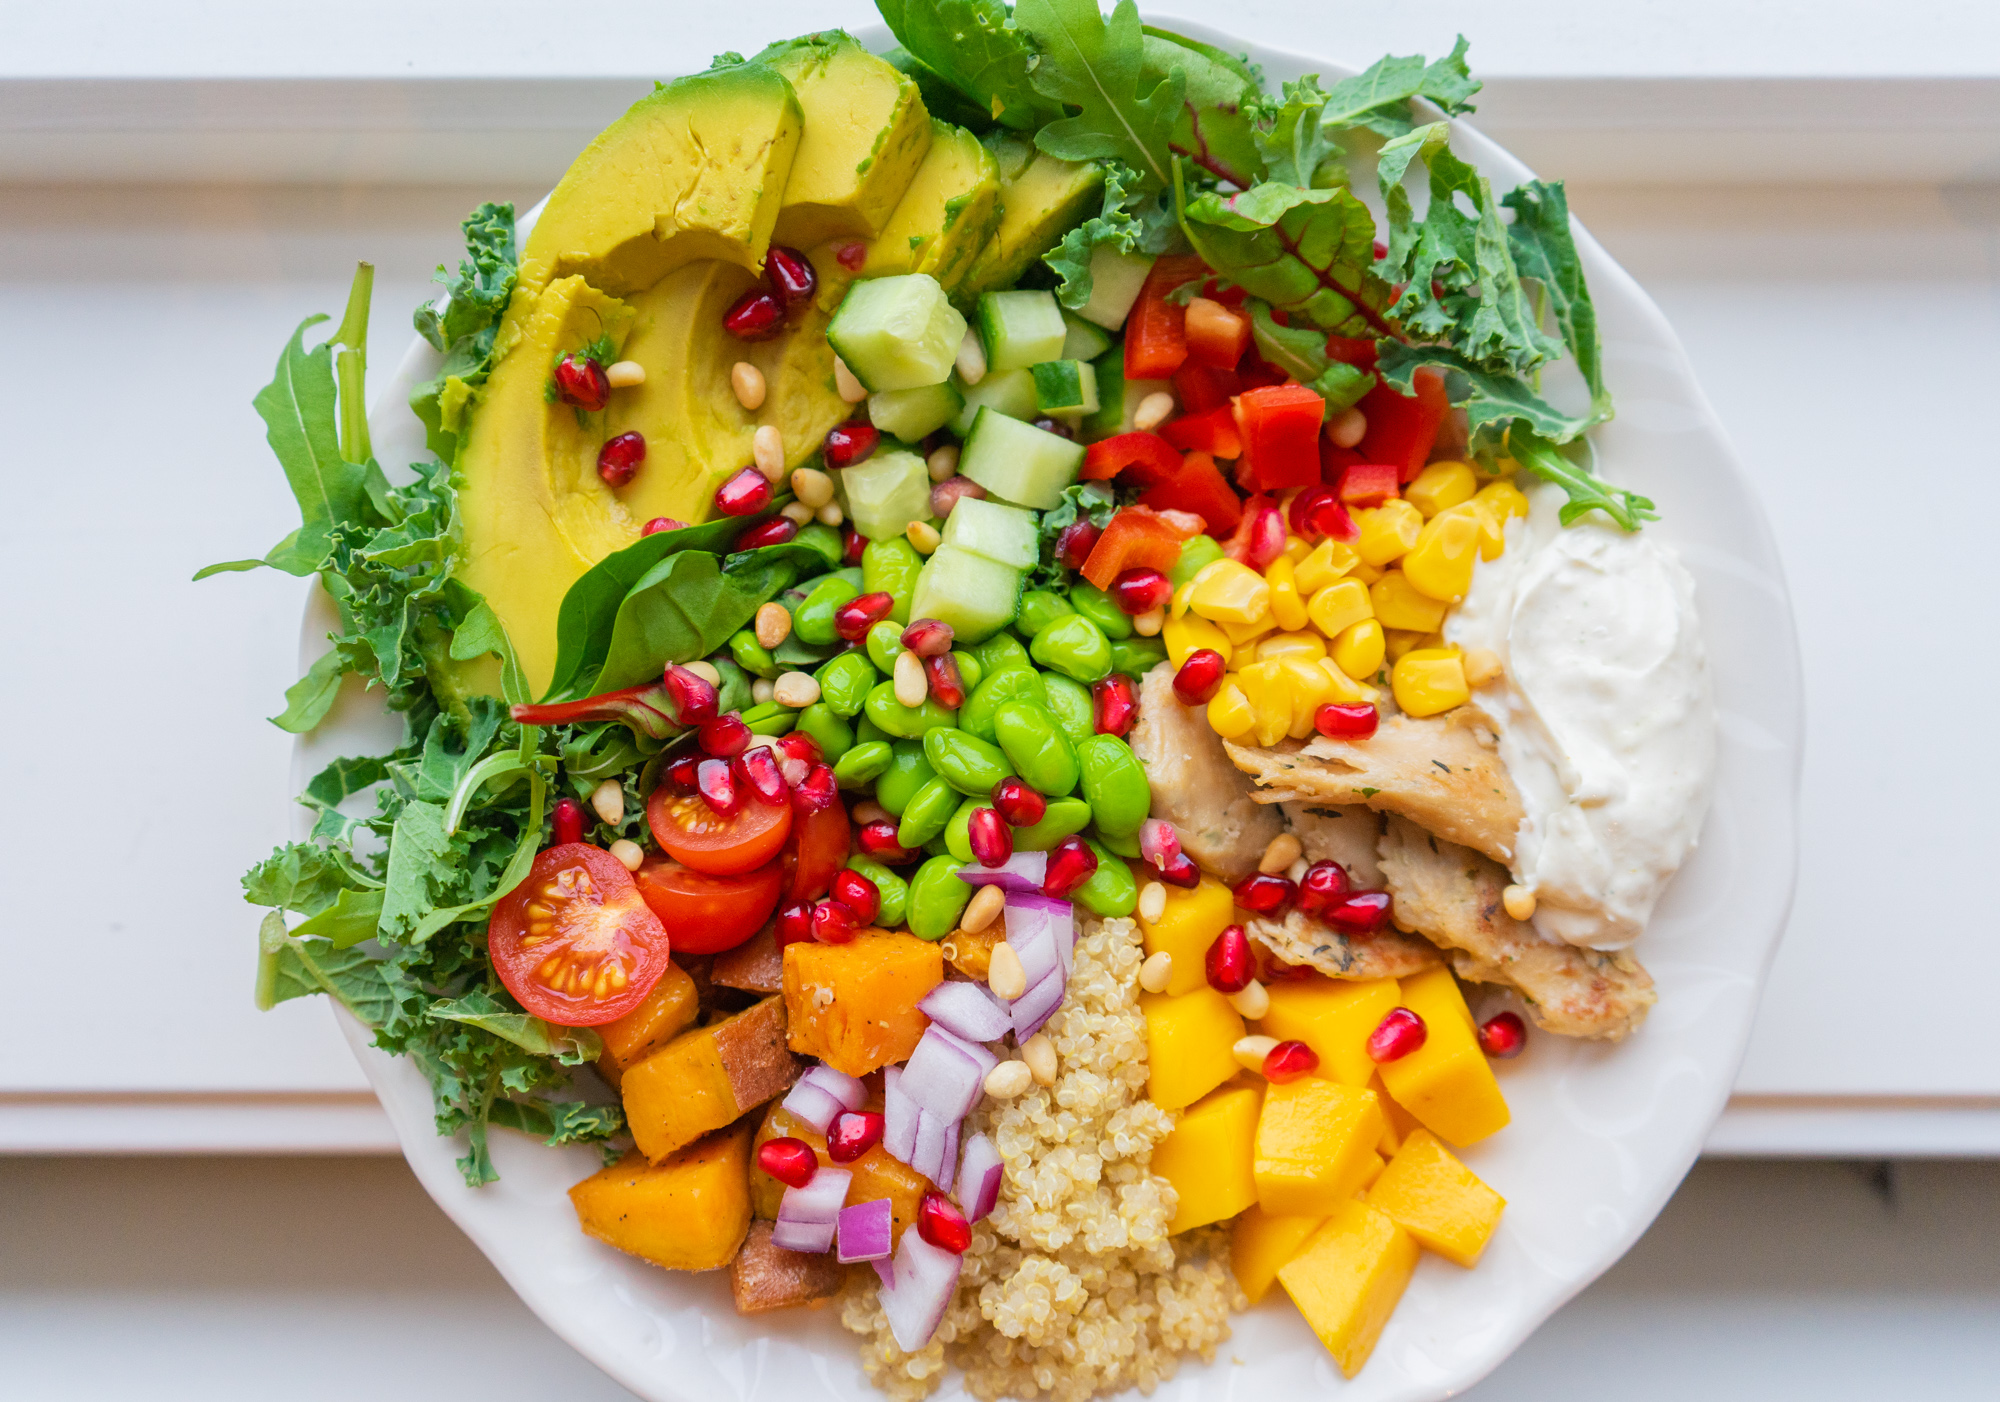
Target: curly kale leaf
(1545, 251)
(1299, 134)
(1094, 502)
(1129, 223)
(466, 329)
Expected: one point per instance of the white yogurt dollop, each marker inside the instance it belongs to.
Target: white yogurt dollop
(1605, 714)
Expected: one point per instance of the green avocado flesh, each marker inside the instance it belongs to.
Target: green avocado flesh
(1038, 206)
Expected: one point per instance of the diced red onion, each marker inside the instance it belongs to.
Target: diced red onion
(1038, 1004)
(849, 1091)
(1059, 916)
(979, 1173)
(899, 1117)
(1024, 871)
(917, 1289)
(967, 1010)
(1035, 944)
(937, 1147)
(863, 1231)
(806, 1216)
(942, 1076)
(983, 1058)
(812, 1105)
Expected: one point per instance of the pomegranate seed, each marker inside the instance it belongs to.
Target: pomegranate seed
(858, 894)
(790, 1161)
(854, 256)
(775, 531)
(745, 494)
(992, 840)
(568, 821)
(928, 637)
(1075, 542)
(1323, 887)
(1159, 843)
(795, 771)
(853, 619)
(943, 1225)
(1399, 1033)
(1265, 892)
(758, 771)
(852, 1134)
(1114, 706)
(1229, 963)
(693, 697)
(1355, 722)
(662, 523)
(816, 793)
(718, 786)
(618, 460)
(947, 687)
(1503, 1035)
(1362, 913)
(1141, 590)
(1181, 871)
(794, 923)
(1267, 538)
(833, 923)
(1299, 514)
(878, 840)
(946, 495)
(1071, 863)
(791, 277)
(1020, 805)
(1057, 427)
(1330, 518)
(848, 443)
(1288, 1061)
(1381, 250)
(852, 544)
(1199, 677)
(757, 315)
(802, 747)
(681, 773)
(581, 381)
(725, 737)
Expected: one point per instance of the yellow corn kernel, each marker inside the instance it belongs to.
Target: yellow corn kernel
(1358, 649)
(1397, 641)
(1311, 688)
(1365, 572)
(1192, 632)
(1387, 531)
(1492, 529)
(1399, 605)
(1504, 499)
(1229, 713)
(1340, 605)
(1429, 680)
(1288, 610)
(1346, 690)
(1329, 560)
(1177, 606)
(1244, 634)
(1229, 592)
(1270, 698)
(1278, 646)
(1296, 549)
(1440, 563)
(1482, 665)
(1441, 485)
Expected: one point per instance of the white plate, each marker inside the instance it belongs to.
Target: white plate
(1601, 1135)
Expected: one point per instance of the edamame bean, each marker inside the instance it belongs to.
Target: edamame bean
(967, 763)
(928, 812)
(824, 539)
(895, 891)
(903, 722)
(1111, 889)
(1037, 748)
(1197, 554)
(937, 898)
(970, 672)
(1137, 656)
(885, 645)
(1114, 783)
(1000, 652)
(1124, 844)
(812, 623)
(866, 732)
(1039, 608)
(907, 772)
(752, 656)
(975, 717)
(852, 574)
(845, 681)
(832, 734)
(1094, 604)
(958, 832)
(890, 567)
(770, 719)
(1070, 703)
(1072, 645)
(862, 765)
(1065, 816)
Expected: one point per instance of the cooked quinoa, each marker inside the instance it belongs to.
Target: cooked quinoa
(1072, 1287)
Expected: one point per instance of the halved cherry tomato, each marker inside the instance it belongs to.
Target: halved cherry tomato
(690, 831)
(820, 850)
(707, 914)
(574, 943)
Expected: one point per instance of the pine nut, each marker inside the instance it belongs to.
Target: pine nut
(851, 389)
(623, 374)
(812, 487)
(1153, 411)
(706, 671)
(971, 358)
(1149, 623)
(1040, 1055)
(1251, 1001)
(869, 811)
(983, 909)
(1009, 1079)
(608, 799)
(1004, 974)
(795, 689)
(943, 462)
(911, 687)
(774, 625)
(924, 536)
(1297, 870)
(629, 853)
(748, 383)
(797, 512)
(1251, 1051)
(1152, 901)
(1482, 665)
(762, 692)
(767, 450)
(1158, 970)
(1519, 902)
(1347, 428)
(1283, 850)
(830, 514)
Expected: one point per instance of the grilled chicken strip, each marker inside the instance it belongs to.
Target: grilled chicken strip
(1195, 787)
(1348, 835)
(1300, 939)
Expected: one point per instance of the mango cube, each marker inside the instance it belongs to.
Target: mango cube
(1427, 1192)
(1315, 1145)
(1208, 1157)
(1446, 1083)
(1334, 1018)
(1188, 1044)
(1430, 681)
(1401, 1123)
(1400, 605)
(1260, 1243)
(687, 1213)
(1186, 928)
(1348, 1278)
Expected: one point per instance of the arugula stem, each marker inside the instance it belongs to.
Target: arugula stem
(1587, 491)
(351, 367)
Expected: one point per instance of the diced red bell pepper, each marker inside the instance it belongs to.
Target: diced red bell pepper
(1368, 483)
(1212, 432)
(1216, 335)
(1352, 350)
(1144, 458)
(1201, 388)
(1156, 330)
(1198, 487)
(1280, 428)
(1402, 428)
(1138, 536)
(1333, 461)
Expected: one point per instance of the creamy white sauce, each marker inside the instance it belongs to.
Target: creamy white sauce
(1605, 714)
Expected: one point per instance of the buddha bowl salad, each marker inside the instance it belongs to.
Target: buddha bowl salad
(992, 698)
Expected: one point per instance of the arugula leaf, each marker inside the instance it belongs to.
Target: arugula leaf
(1545, 251)
(308, 699)
(351, 918)
(1096, 66)
(1129, 222)
(299, 412)
(974, 46)
(1587, 491)
(1301, 353)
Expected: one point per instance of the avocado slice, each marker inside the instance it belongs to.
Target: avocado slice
(947, 214)
(866, 132)
(1045, 201)
(694, 170)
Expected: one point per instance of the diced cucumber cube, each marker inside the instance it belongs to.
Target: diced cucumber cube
(1006, 535)
(886, 491)
(1018, 462)
(1011, 392)
(1110, 416)
(975, 595)
(1115, 280)
(897, 332)
(909, 414)
(1020, 329)
(1082, 341)
(1065, 387)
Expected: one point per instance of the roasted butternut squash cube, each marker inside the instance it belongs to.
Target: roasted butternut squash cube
(971, 951)
(688, 1212)
(1186, 928)
(1260, 1243)
(1446, 1083)
(1333, 1017)
(1427, 1192)
(765, 1276)
(755, 966)
(1208, 1157)
(1188, 1045)
(1315, 1145)
(876, 1174)
(661, 1016)
(1347, 1280)
(854, 1005)
(704, 1079)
